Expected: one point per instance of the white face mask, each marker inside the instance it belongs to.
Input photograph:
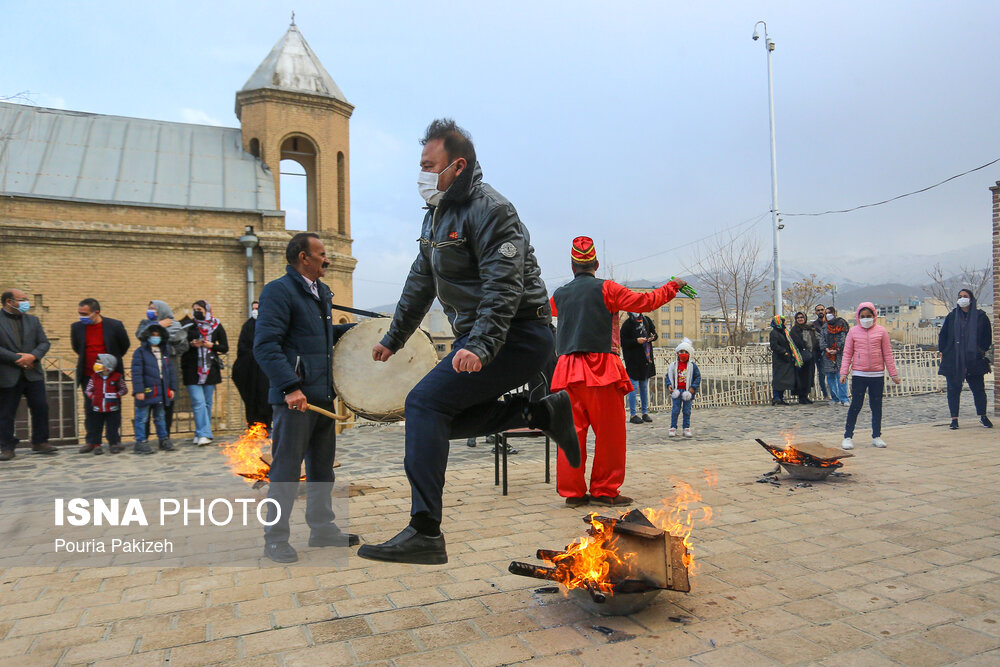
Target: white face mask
(867, 322)
(253, 313)
(427, 185)
(963, 302)
(829, 317)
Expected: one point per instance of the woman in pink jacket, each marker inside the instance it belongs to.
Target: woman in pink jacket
(867, 356)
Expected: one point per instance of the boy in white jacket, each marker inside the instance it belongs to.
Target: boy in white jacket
(683, 380)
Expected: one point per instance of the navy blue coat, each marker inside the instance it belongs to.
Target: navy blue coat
(146, 377)
(295, 336)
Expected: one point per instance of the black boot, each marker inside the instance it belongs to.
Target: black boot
(554, 416)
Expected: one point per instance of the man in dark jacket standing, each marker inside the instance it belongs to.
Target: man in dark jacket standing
(294, 346)
(637, 336)
(94, 334)
(22, 345)
(249, 379)
(475, 256)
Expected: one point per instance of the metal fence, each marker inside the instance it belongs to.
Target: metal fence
(734, 376)
(66, 416)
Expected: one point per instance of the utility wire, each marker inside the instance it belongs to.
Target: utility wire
(886, 201)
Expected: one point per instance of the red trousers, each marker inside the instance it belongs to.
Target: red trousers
(602, 408)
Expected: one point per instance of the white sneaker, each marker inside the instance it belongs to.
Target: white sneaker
(672, 432)
(204, 441)
(878, 442)
(847, 444)
(687, 433)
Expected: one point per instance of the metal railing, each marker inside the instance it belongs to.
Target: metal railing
(66, 415)
(742, 376)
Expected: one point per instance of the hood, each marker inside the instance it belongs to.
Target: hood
(972, 300)
(864, 304)
(685, 346)
(163, 311)
(154, 329)
(107, 360)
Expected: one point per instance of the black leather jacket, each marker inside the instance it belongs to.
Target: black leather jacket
(476, 258)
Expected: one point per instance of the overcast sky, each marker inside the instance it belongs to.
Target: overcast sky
(642, 124)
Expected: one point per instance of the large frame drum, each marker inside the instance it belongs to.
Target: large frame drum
(377, 390)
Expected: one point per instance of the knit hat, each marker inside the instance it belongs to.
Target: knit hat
(685, 346)
(583, 250)
(107, 360)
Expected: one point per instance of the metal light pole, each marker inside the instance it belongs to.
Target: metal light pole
(249, 241)
(775, 224)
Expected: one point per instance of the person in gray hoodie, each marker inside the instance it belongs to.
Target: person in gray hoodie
(158, 312)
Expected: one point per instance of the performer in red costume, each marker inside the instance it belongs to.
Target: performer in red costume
(594, 377)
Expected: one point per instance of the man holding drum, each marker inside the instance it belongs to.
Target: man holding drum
(475, 257)
(293, 345)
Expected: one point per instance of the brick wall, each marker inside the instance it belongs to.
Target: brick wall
(996, 292)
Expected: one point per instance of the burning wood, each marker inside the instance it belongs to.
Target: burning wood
(640, 552)
(246, 457)
(806, 460)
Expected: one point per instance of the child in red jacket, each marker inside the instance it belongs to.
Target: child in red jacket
(105, 390)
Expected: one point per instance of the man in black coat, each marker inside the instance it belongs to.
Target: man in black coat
(637, 336)
(22, 345)
(94, 334)
(476, 257)
(248, 377)
(294, 346)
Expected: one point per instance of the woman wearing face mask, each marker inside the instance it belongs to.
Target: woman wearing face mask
(867, 351)
(200, 366)
(963, 342)
(807, 340)
(831, 341)
(785, 359)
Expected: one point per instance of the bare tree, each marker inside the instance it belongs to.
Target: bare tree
(803, 295)
(945, 287)
(730, 270)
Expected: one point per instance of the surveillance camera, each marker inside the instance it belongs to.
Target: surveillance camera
(780, 227)
(755, 36)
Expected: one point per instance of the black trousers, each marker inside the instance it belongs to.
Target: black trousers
(978, 388)
(875, 388)
(38, 406)
(109, 422)
(446, 405)
(804, 378)
(298, 436)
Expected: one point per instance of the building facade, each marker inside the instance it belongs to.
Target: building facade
(126, 210)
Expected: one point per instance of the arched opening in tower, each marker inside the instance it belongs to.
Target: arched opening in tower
(297, 183)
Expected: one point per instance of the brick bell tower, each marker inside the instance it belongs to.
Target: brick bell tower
(291, 109)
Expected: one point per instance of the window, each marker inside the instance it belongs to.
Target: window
(665, 309)
(665, 323)
(255, 147)
(341, 194)
(678, 323)
(678, 309)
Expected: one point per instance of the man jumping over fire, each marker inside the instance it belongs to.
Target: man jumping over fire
(595, 377)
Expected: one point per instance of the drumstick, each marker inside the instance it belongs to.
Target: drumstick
(327, 413)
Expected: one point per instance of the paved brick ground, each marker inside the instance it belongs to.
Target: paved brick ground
(898, 563)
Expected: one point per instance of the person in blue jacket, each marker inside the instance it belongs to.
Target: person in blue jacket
(293, 345)
(153, 386)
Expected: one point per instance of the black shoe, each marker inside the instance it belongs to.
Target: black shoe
(554, 416)
(115, 449)
(166, 445)
(334, 540)
(805, 401)
(98, 450)
(408, 547)
(471, 442)
(6, 454)
(577, 501)
(44, 448)
(635, 419)
(775, 401)
(985, 421)
(142, 448)
(646, 418)
(280, 552)
(510, 450)
(953, 425)
(88, 448)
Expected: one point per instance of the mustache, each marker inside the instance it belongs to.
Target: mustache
(326, 265)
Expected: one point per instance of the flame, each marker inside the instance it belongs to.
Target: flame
(589, 561)
(793, 456)
(596, 562)
(679, 515)
(245, 454)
